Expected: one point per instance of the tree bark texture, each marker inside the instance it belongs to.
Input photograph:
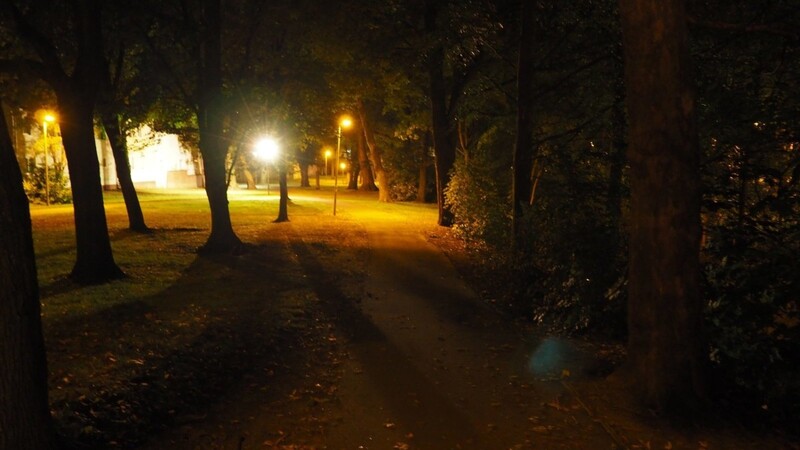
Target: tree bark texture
(443, 133)
(283, 210)
(304, 181)
(422, 180)
(364, 169)
(212, 142)
(618, 144)
(250, 180)
(119, 148)
(353, 175)
(374, 154)
(25, 422)
(523, 148)
(666, 352)
(76, 94)
(95, 261)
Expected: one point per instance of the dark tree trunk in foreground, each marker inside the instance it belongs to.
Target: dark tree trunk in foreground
(212, 142)
(283, 210)
(76, 94)
(119, 148)
(95, 261)
(523, 149)
(443, 144)
(666, 357)
(25, 422)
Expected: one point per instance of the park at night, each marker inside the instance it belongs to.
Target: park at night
(402, 224)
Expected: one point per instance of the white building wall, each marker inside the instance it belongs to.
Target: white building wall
(157, 161)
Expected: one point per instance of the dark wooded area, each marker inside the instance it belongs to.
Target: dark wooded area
(626, 170)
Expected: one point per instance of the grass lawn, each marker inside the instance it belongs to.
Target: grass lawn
(137, 356)
(131, 357)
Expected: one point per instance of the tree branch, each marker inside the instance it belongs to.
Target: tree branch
(774, 29)
(51, 69)
(27, 67)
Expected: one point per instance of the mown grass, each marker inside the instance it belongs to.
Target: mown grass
(130, 357)
(136, 356)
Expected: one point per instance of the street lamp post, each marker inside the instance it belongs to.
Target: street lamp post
(48, 118)
(345, 122)
(266, 149)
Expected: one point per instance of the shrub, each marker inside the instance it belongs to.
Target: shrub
(481, 210)
(36, 187)
(753, 319)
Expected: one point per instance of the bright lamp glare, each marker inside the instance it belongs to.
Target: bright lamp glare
(266, 149)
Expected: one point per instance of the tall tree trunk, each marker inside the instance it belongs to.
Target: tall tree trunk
(306, 157)
(666, 352)
(283, 210)
(443, 139)
(212, 142)
(523, 149)
(618, 148)
(25, 422)
(364, 169)
(76, 95)
(304, 181)
(244, 171)
(95, 261)
(119, 148)
(374, 153)
(422, 180)
(443, 133)
(353, 175)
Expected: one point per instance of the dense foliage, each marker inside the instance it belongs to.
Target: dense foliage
(570, 271)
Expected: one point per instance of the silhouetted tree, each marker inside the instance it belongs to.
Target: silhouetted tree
(666, 351)
(69, 58)
(25, 422)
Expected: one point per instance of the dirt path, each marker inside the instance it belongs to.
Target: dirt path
(386, 347)
(431, 368)
(427, 365)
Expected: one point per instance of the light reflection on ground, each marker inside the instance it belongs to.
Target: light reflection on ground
(551, 357)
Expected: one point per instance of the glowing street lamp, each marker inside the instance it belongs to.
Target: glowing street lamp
(344, 122)
(266, 149)
(48, 118)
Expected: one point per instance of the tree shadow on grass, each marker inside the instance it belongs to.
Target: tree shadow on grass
(125, 373)
(63, 284)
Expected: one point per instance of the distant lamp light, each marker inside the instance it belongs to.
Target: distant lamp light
(328, 154)
(266, 149)
(345, 122)
(47, 118)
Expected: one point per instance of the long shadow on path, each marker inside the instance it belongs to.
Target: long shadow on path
(414, 400)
